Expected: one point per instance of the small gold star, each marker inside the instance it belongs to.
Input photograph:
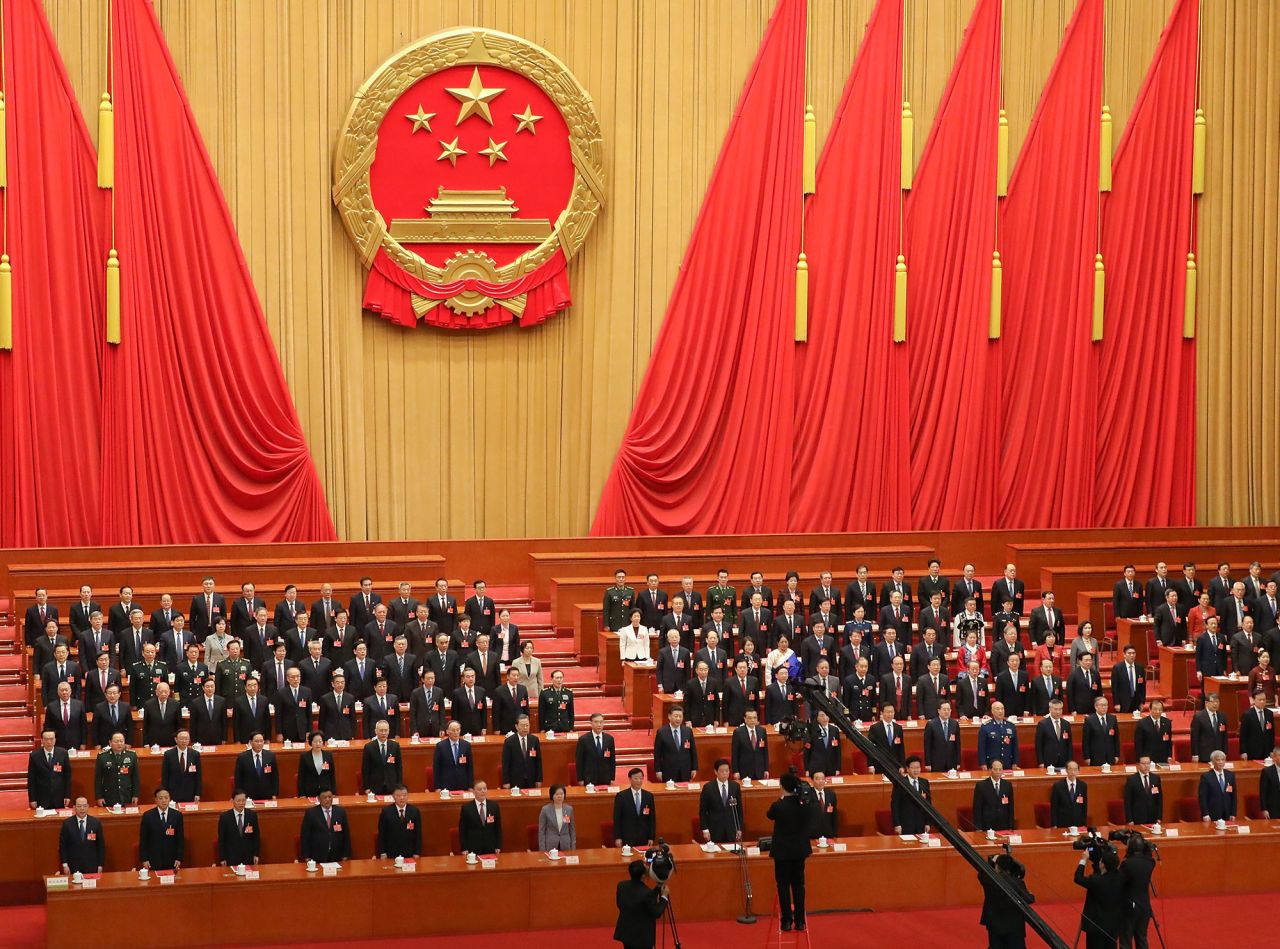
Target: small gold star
(475, 98)
(420, 119)
(494, 151)
(527, 120)
(450, 151)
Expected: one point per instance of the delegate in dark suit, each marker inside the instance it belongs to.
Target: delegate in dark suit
(210, 727)
(941, 744)
(1257, 734)
(1128, 687)
(822, 750)
(1013, 691)
(898, 618)
(675, 754)
(480, 827)
(716, 810)
(160, 839)
(993, 805)
(259, 785)
(293, 713)
(78, 615)
(239, 838)
(311, 779)
(381, 769)
(71, 730)
(749, 752)
(522, 767)
(35, 621)
(1208, 734)
(1153, 738)
(338, 715)
(596, 758)
(248, 717)
(105, 721)
(1082, 688)
(49, 778)
(1143, 799)
(1127, 599)
(426, 712)
(453, 767)
(382, 708)
(82, 852)
(204, 611)
(634, 824)
(905, 809)
(182, 774)
(672, 669)
(702, 702)
(1068, 808)
(400, 835)
(1101, 742)
(1217, 795)
(1269, 792)
(470, 711)
(325, 841)
(1170, 624)
(1042, 693)
(1053, 742)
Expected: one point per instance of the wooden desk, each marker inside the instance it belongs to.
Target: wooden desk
(610, 652)
(1133, 632)
(638, 684)
(1228, 689)
(1177, 669)
(705, 886)
(1092, 605)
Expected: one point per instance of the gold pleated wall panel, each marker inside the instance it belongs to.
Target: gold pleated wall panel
(512, 432)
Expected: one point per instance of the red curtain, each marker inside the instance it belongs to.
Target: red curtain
(51, 383)
(203, 440)
(950, 234)
(1046, 436)
(851, 379)
(707, 449)
(1146, 396)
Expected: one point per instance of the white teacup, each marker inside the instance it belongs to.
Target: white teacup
(553, 853)
(991, 835)
(626, 850)
(77, 877)
(399, 861)
(144, 874)
(1221, 824)
(311, 866)
(822, 841)
(746, 782)
(471, 858)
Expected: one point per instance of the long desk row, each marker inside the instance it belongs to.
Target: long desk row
(30, 843)
(1201, 861)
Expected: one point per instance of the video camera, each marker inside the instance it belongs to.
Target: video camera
(793, 730)
(1095, 845)
(660, 861)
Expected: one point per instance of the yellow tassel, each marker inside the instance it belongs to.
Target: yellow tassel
(4, 145)
(997, 276)
(1002, 156)
(6, 303)
(1099, 294)
(1189, 300)
(113, 297)
(810, 172)
(900, 301)
(1104, 158)
(106, 143)
(908, 146)
(802, 299)
(1197, 154)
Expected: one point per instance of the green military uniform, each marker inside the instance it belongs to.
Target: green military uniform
(232, 675)
(115, 777)
(555, 710)
(617, 606)
(143, 680)
(724, 596)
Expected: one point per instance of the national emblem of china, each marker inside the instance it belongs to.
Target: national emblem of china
(468, 172)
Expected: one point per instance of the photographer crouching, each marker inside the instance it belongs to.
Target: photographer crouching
(792, 816)
(640, 907)
(1104, 903)
(1006, 926)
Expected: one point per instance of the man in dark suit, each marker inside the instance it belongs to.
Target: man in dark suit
(1045, 619)
(861, 591)
(65, 717)
(1208, 730)
(1211, 651)
(81, 844)
(1269, 788)
(1128, 683)
(1128, 599)
(673, 665)
(942, 740)
(324, 611)
(398, 668)
(1246, 645)
(43, 651)
(1220, 586)
(675, 750)
(399, 827)
(755, 622)
(1153, 735)
(250, 713)
(895, 688)
(1267, 609)
(1254, 584)
(209, 717)
(933, 582)
(967, 588)
(381, 765)
(61, 669)
(1217, 791)
(815, 647)
(749, 749)
(652, 603)
(119, 616)
(972, 693)
(470, 705)
(934, 618)
(1101, 742)
(1188, 586)
(239, 838)
(442, 609)
(897, 583)
(1012, 689)
(256, 771)
(859, 692)
(634, 813)
(403, 607)
(884, 652)
(693, 603)
(168, 627)
(1157, 587)
(82, 609)
(445, 662)
(702, 697)
(382, 706)
(480, 823)
(897, 615)
(259, 636)
(286, 613)
(207, 607)
(480, 607)
(39, 613)
(426, 708)
(741, 694)
(1170, 620)
(315, 669)
(485, 663)
(325, 836)
(789, 623)
(190, 675)
(244, 609)
(1069, 800)
(680, 620)
(363, 606)
(48, 774)
(781, 700)
(904, 807)
(993, 800)
(98, 680)
(932, 688)
(1143, 800)
(379, 634)
(1009, 587)
(182, 771)
(1053, 738)
(924, 652)
(293, 708)
(1257, 730)
(1083, 686)
(720, 806)
(452, 764)
(595, 756)
(1235, 609)
(822, 747)
(110, 716)
(338, 711)
(160, 836)
(522, 757)
(422, 632)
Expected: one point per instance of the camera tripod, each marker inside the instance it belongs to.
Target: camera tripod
(669, 923)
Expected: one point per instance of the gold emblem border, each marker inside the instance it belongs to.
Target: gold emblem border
(358, 141)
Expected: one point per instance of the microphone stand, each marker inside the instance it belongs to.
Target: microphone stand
(888, 767)
(747, 918)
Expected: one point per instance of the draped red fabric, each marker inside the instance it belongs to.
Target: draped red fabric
(1046, 435)
(706, 449)
(950, 234)
(851, 379)
(199, 431)
(1146, 399)
(51, 382)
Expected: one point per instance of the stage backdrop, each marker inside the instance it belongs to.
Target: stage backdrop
(426, 433)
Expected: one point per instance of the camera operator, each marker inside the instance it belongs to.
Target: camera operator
(639, 908)
(1006, 926)
(1136, 871)
(1104, 902)
(792, 817)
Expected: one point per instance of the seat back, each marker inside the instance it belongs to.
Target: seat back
(1188, 809)
(964, 817)
(531, 835)
(431, 779)
(1042, 814)
(884, 823)
(606, 833)
(1115, 812)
